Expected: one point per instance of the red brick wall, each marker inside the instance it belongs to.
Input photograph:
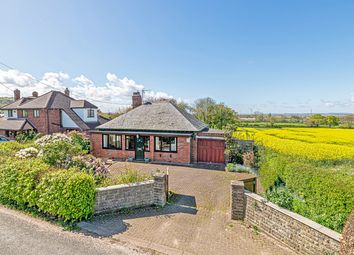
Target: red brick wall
(2, 132)
(183, 154)
(46, 116)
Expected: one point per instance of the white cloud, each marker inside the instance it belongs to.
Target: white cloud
(353, 97)
(114, 94)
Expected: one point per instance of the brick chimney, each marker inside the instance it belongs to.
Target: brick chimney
(35, 94)
(136, 99)
(67, 92)
(17, 94)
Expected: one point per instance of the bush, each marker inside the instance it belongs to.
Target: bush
(67, 194)
(80, 140)
(281, 197)
(27, 136)
(325, 192)
(29, 152)
(60, 153)
(9, 149)
(18, 180)
(91, 165)
(231, 167)
(128, 176)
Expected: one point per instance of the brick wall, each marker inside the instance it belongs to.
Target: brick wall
(299, 233)
(183, 154)
(134, 195)
(48, 122)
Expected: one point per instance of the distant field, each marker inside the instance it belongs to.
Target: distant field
(5, 100)
(310, 143)
(307, 170)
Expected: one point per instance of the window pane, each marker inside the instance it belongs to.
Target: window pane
(105, 141)
(24, 113)
(112, 141)
(119, 141)
(157, 143)
(173, 144)
(165, 143)
(10, 113)
(130, 142)
(147, 143)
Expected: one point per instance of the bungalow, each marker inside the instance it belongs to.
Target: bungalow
(49, 113)
(161, 132)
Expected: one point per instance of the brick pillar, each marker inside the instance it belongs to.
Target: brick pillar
(160, 188)
(237, 200)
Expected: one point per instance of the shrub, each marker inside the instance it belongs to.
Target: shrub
(325, 192)
(80, 140)
(48, 139)
(281, 197)
(59, 153)
(23, 137)
(128, 176)
(232, 167)
(9, 149)
(67, 194)
(18, 179)
(91, 165)
(29, 152)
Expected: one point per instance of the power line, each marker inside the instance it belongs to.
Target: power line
(41, 82)
(6, 86)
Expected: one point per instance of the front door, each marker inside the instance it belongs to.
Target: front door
(139, 150)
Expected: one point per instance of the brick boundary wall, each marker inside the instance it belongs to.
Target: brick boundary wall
(133, 195)
(299, 233)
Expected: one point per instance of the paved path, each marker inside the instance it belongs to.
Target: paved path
(198, 221)
(25, 235)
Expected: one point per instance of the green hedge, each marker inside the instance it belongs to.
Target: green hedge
(8, 149)
(19, 178)
(323, 193)
(67, 194)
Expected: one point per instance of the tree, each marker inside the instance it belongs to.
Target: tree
(348, 121)
(332, 121)
(316, 120)
(216, 115)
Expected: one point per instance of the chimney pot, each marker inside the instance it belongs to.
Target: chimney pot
(17, 94)
(136, 99)
(35, 94)
(67, 92)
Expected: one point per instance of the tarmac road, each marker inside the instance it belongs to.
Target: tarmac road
(21, 234)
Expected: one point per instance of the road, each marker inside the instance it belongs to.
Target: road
(25, 235)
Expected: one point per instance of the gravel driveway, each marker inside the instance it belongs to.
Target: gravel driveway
(196, 222)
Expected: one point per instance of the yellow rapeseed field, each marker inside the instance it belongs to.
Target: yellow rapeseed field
(310, 143)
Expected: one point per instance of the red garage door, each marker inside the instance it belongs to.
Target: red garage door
(211, 151)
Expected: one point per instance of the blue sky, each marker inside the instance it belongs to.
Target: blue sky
(269, 56)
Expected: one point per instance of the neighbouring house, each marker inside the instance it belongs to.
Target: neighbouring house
(49, 113)
(160, 132)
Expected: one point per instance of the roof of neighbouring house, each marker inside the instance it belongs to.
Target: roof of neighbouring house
(161, 116)
(15, 124)
(81, 104)
(57, 100)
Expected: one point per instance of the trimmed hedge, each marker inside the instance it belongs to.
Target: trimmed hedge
(67, 194)
(323, 193)
(10, 148)
(19, 178)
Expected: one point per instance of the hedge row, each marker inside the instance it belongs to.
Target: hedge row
(67, 194)
(324, 193)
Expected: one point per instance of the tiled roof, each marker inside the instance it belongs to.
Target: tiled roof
(15, 124)
(81, 104)
(162, 116)
(57, 100)
(17, 103)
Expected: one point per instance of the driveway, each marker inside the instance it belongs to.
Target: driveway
(196, 222)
